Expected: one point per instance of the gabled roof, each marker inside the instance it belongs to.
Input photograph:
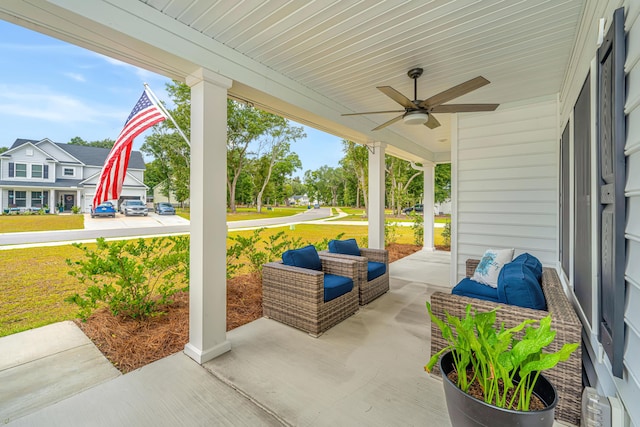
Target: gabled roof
(90, 156)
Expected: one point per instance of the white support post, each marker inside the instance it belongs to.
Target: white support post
(428, 202)
(376, 195)
(208, 200)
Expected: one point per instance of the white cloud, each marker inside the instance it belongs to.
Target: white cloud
(38, 102)
(76, 76)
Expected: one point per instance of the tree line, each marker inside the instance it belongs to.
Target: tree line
(261, 165)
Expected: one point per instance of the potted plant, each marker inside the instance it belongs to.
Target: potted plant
(492, 375)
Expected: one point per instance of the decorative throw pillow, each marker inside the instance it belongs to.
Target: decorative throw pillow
(344, 247)
(490, 265)
(306, 257)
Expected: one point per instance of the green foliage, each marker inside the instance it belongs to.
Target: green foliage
(496, 357)
(75, 209)
(133, 278)
(104, 143)
(446, 233)
(418, 228)
(390, 232)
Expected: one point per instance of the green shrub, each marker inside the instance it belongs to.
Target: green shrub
(418, 228)
(390, 232)
(446, 233)
(75, 209)
(133, 278)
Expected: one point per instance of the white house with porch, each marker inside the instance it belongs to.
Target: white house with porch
(554, 171)
(39, 173)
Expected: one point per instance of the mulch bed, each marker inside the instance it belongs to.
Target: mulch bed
(130, 344)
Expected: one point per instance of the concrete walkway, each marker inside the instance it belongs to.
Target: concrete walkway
(365, 371)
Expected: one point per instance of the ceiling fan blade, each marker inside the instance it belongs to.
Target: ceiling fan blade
(373, 112)
(454, 92)
(397, 96)
(432, 122)
(463, 108)
(390, 122)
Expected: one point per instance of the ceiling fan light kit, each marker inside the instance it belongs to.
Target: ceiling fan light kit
(419, 112)
(415, 118)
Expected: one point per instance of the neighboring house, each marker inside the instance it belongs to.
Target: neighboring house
(34, 174)
(299, 200)
(159, 195)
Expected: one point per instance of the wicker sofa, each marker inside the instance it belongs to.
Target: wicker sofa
(566, 376)
(369, 289)
(295, 296)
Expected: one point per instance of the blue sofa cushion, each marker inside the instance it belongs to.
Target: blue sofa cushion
(530, 262)
(473, 289)
(344, 247)
(375, 270)
(335, 286)
(306, 257)
(518, 285)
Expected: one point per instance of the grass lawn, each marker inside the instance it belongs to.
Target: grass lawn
(243, 214)
(20, 223)
(34, 281)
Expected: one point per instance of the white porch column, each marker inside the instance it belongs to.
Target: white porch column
(376, 195)
(208, 197)
(429, 198)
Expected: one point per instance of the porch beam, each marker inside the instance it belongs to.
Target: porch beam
(208, 199)
(376, 195)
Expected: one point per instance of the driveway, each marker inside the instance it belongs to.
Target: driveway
(122, 222)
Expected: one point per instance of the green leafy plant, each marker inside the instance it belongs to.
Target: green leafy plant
(133, 278)
(446, 234)
(505, 363)
(417, 227)
(390, 232)
(75, 209)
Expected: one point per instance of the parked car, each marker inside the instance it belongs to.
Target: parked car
(417, 208)
(316, 206)
(164, 208)
(103, 209)
(133, 207)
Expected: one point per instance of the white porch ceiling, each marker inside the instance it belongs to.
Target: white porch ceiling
(333, 54)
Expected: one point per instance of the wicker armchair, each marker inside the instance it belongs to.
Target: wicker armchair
(566, 376)
(369, 289)
(295, 296)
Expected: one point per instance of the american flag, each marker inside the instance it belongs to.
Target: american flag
(144, 115)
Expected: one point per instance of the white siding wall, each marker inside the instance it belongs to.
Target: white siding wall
(506, 181)
(630, 385)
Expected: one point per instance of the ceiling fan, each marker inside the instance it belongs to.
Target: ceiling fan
(420, 111)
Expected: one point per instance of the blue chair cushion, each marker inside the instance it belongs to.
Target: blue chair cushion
(473, 289)
(530, 262)
(344, 247)
(375, 270)
(306, 257)
(518, 285)
(335, 286)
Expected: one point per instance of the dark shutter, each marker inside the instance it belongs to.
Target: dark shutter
(45, 172)
(582, 283)
(11, 170)
(611, 138)
(564, 201)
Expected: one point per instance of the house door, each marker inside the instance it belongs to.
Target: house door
(69, 201)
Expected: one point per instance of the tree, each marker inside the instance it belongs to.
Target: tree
(103, 143)
(400, 176)
(3, 149)
(356, 159)
(276, 147)
(442, 183)
(245, 124)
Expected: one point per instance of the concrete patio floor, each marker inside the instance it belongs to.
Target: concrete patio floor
(365, 371)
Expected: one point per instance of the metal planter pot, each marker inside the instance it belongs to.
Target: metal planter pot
(467, 411)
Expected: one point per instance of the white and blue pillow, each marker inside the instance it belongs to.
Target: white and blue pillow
(490, 265)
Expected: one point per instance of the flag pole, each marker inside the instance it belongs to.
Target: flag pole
(166, 112)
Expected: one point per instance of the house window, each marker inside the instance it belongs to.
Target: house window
(69, 172)
(20, 199)
(36, 199)
(21, 170)
(11, 198)
(36, 171)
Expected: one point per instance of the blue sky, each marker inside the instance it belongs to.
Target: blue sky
(52, 89)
